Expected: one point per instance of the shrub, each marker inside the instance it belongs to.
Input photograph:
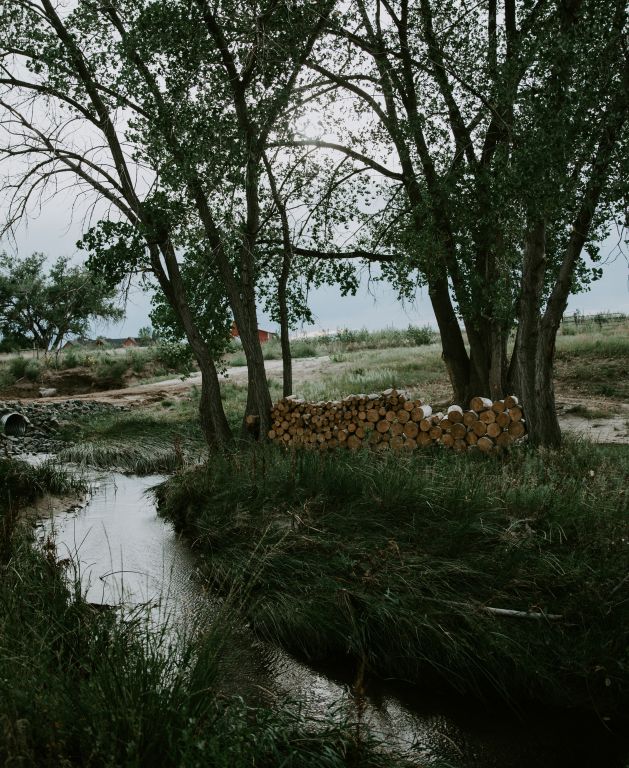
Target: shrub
(17, 367)
(32, 370)
(304, 349)
(175, 356)
(110, 371)
(420, 336)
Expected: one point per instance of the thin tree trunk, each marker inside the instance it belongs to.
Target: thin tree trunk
(287, 257)
(287, 359)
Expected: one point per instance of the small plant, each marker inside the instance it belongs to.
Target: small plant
(32, 370)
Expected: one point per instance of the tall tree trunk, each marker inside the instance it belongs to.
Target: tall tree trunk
(535, 348)
(212, 417)
(453, 353)
(259, 397)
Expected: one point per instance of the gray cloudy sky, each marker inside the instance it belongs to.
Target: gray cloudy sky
(55, 234)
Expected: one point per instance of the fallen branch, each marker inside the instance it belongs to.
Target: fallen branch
(520, 614)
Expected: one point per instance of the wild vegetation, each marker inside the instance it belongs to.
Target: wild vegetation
(81, 687)
(78, 369)
(340, 548)
(158, 439)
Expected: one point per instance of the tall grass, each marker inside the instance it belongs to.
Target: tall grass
(394, 560)
(87, 687)
(143, 442)
(84, 687)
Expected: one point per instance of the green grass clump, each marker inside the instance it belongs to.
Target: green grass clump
(150, 440)
(392, 559)
(22, 483)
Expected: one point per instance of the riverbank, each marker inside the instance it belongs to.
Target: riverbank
(502, 578)
(80, 686)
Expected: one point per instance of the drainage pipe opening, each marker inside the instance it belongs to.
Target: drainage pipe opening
(13, 424)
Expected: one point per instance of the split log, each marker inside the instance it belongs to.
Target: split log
(517, 429)
(485, 444)
(516, 413)
(458, 431)
(411, 429)
(487, 416)
(493, 430)
(479, 428)
(455, 414)
(479, 404)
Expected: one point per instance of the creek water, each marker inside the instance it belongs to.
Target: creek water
(126, 554)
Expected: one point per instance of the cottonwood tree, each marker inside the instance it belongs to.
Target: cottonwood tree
(176, 102)
(505, 130)
(44, 308)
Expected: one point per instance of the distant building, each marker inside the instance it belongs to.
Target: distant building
(264, 336)
(102, 343)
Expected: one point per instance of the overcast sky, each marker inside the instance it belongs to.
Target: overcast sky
(53, 233)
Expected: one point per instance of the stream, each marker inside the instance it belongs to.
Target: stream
(127, 554)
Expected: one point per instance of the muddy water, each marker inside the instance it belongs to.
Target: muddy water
(126, 553)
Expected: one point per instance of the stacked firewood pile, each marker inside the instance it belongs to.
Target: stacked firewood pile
(393, 420)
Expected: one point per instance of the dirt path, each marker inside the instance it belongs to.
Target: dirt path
(603, 421)
(304, 369)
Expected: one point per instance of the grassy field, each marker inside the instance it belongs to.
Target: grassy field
(162, 436)
(81, 687)
(395, 561)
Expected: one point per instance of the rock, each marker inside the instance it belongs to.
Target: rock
(47, 392)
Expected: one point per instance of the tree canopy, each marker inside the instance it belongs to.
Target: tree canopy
(44, 309)
(480, 151)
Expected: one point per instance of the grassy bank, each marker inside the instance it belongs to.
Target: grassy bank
(85, 687)
(396, 559)
(159, 438)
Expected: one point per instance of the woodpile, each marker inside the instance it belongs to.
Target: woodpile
(392, 420)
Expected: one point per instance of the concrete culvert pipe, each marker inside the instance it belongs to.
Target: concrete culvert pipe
(13, 424)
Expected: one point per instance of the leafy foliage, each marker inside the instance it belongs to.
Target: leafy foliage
(47, 308)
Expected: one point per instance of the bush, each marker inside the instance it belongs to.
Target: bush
(175, 356)
(419, 337)
(110, 371)
(32, 371)
(304, 349)
(17, 367)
